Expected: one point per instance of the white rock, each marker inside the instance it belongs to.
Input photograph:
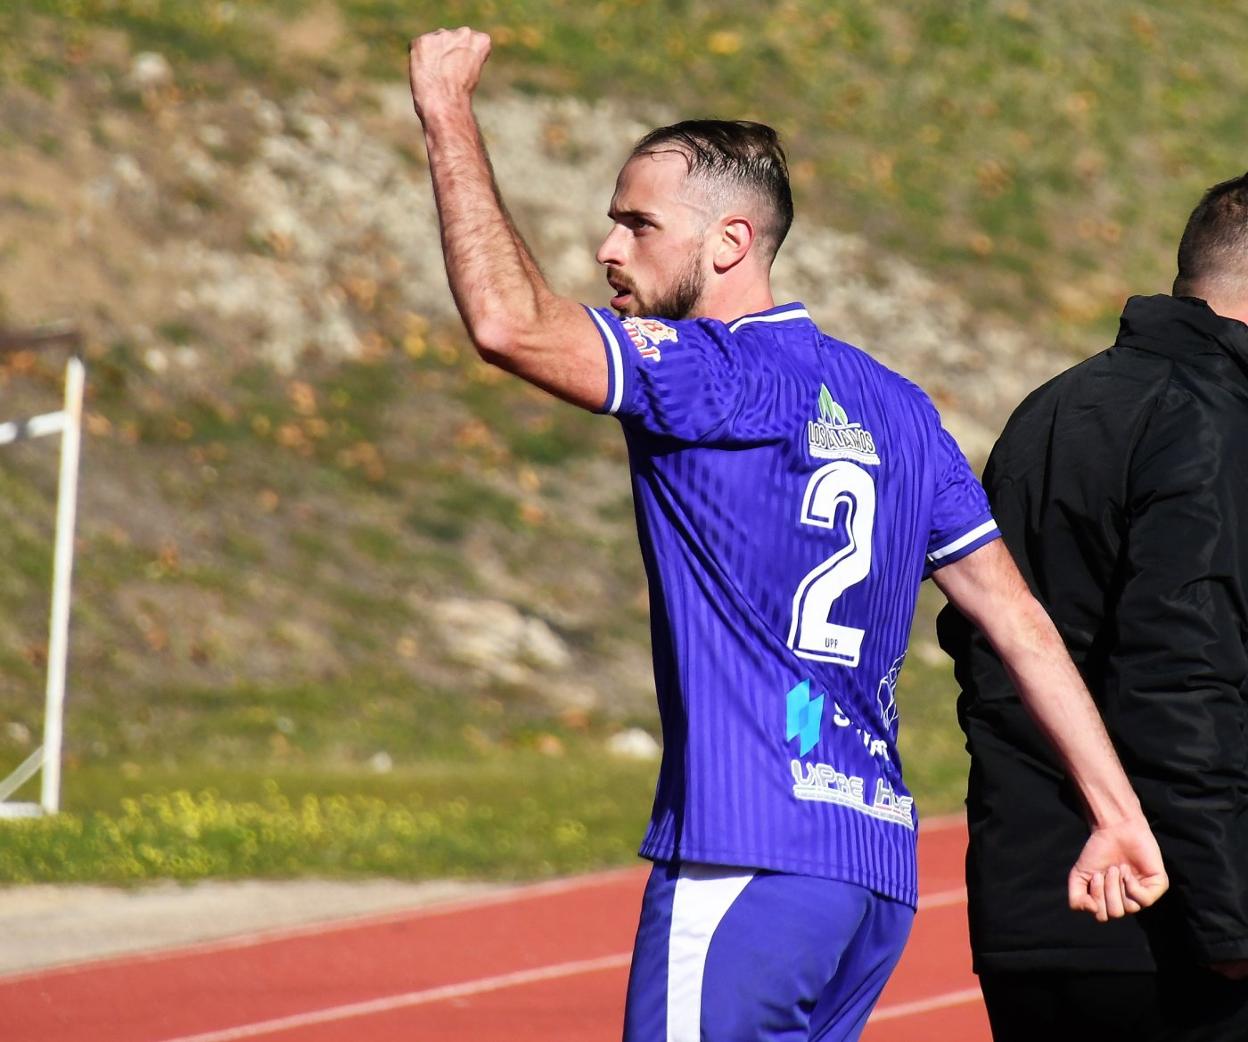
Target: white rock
(197, 164)
(498, 638)
(212, 136)
(186, 357)
(126, 169)
(571, 696)
(268, 116)
(101, 191)
(542, 647)
(634, 744)
(150, 70)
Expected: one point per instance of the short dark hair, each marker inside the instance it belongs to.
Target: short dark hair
(1215, 241)
(733, 152)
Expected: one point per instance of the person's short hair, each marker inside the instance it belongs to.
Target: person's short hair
(1214, 247)
(733, 154)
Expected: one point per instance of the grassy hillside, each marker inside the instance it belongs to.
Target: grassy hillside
(299, 484)
(1042, 156)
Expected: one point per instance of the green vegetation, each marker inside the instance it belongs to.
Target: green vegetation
(294, 781)
(44, 40)
(519, 815)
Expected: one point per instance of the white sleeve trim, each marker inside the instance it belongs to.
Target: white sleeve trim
(617, 362)
(966, 540)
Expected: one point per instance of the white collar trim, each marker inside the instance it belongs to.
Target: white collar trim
(773, 316)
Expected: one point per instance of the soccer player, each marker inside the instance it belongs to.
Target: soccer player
(791, 494)
(1122, 487)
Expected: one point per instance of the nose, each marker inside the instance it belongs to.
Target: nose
(610, 253)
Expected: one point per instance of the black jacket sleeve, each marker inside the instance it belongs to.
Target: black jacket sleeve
(1178, 669)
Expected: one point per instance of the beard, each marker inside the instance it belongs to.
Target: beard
(677, 301)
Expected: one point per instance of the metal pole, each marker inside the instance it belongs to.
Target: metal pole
(62, 570)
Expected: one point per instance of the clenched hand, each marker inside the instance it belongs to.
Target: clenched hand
(445, 66)
(1118, 872)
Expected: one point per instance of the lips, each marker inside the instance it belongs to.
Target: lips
(623, 291)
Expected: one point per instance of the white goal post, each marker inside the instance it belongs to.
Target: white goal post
(67, 422)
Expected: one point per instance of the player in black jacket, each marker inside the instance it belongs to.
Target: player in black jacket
(1121, 487)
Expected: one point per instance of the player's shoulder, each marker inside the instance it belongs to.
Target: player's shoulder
(892, 387)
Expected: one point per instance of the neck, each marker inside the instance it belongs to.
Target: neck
(1233, 307)
(728, 303)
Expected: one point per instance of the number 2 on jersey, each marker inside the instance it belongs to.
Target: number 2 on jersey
(844, 489)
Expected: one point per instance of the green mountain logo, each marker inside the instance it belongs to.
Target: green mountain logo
(829, 410)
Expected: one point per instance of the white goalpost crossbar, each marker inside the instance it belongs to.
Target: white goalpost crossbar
(67, 422)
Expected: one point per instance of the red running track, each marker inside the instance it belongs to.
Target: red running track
(545, 962)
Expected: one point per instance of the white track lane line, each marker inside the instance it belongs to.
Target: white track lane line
(941, 899)
(508, 980)
(910, 1009)
(411, 998)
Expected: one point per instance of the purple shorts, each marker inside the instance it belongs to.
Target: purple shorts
(728, 954)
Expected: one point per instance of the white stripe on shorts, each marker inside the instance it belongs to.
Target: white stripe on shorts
(704, 893)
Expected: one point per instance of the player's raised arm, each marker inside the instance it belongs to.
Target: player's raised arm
(512, 315)
(1120, 869)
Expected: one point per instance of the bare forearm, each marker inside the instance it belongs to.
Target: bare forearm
(510, 312)
(1054, 695)
(492, 275)
(988, 589)
(1120, 869)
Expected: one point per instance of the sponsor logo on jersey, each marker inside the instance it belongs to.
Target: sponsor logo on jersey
(803, 718)
(647, 334)
(891, 807)
(875, 746)
(832, 436)
(823, 783)
(826, 783)
(886, 694)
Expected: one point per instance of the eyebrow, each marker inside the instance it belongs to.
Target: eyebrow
(616, 215)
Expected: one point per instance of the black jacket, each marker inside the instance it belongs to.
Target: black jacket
(1121, 487)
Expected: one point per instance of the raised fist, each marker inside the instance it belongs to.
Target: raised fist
(445, 66)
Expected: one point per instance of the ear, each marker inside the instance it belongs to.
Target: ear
(736, 236)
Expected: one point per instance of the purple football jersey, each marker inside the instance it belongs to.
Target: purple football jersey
(791, 494)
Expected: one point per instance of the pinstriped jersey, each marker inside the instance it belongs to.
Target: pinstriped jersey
(791, 494)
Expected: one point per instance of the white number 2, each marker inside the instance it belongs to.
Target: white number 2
(836, 487)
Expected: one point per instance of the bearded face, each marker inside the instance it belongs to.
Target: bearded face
(675, 300)
(653, 254)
